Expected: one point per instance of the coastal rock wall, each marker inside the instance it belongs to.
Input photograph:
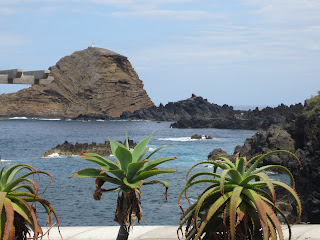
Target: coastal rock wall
(92, 81)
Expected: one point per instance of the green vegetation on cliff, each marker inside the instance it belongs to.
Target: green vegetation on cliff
(312, 108)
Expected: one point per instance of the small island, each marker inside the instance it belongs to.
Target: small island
(69, 149)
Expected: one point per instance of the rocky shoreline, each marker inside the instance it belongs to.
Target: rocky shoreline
(252, 119)
(301, 136)
(69, 149)
(197, 112)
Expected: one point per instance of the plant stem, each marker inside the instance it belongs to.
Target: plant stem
(122, 234)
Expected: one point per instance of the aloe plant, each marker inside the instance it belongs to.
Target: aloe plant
(18, 198)
(126, 175)
(239, 203)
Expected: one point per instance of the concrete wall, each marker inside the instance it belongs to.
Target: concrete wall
(17, 76)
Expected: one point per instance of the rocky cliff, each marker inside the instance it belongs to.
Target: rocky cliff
(92, 81)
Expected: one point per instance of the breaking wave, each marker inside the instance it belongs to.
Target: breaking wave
(178, 139)
(18, 118)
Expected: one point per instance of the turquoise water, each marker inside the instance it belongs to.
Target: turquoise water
(24, 141)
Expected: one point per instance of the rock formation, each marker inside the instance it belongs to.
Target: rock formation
(194, 107)
(197, 136)
(236, 119)
(92, 81)
(219, 153)
(196, 112)
(69, 149)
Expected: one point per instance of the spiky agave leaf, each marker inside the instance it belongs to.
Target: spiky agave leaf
(14, 202)
(128, 174)
(236, 194)
(131, 170)
(139, 150)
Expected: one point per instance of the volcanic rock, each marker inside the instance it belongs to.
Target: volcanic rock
(275, 138)
(69, 149)
(227, 118)
(89, 82)
(301, 136)
(194, 107)
(218, 153)
(197, 136)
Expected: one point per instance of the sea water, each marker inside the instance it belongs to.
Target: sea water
(25, 140)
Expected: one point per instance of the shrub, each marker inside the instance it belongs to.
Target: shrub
(16, 194)
(312, 107)
(128, 174)
(236, 205)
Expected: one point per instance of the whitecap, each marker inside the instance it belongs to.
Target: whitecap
(53, 155)
(57, 155)
(178, 139)
(151, 149)
(18, 118)
(49, 119)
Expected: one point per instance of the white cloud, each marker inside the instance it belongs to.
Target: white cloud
(168, 15)
(226, 45)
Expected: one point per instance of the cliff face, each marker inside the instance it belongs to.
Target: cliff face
(92, 81)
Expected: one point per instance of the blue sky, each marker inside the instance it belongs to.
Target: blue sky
(236, 52)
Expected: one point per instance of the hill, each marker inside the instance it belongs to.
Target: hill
(91, 81)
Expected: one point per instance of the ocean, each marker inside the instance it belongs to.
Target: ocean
(25, 140)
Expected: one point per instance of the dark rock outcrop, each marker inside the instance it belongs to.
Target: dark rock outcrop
(197, 112)
(89, 82)
(69, 149)
(197, 136)
(302, 137)
(236, 119)
(219, 153)
(194, 107)
(275, 138)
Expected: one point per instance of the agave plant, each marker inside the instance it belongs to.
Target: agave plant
(18, 217)
(240, 203)
(127, 174)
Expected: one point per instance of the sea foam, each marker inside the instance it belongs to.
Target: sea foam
(178, 139)
(18, 118)
(54, 155)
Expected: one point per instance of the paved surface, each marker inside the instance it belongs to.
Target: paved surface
(300, 232)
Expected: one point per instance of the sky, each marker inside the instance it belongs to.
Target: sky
(235, 52)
